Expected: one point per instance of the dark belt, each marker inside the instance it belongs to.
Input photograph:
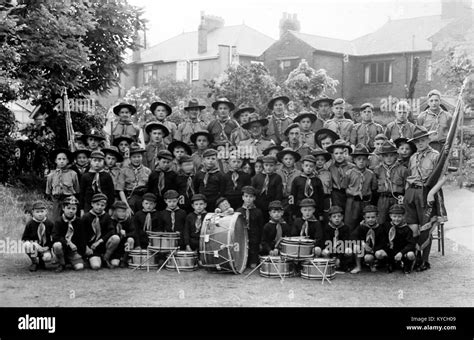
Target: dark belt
(415, 186)
(137, 191)
(359, 199)
(389, 194)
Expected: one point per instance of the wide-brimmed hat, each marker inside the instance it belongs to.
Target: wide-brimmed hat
(121, 138)
(387, 147)
(223, 101)
(315, 104)
(195, 135)
(272, 147)
(242, 108)
(328, 132)
(53, 154)
(288, 151)
(178, 143)
(194, 104)
(255, 118)
(360, 150)
(120, 106)
(401, 140)
(420, 132)
(340, 143)
(305, 114)
(114, 151)
(155, 125)
(81, 150)
(94, 133)
(272, 101)
(320, 152)
(154, 105)
(290, 127)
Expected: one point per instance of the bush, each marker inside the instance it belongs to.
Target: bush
(7, 145)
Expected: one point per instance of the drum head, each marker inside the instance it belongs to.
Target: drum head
(239, 252)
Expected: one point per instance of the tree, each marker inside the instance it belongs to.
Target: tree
(251, 84)
(304, 84)
(7, 144)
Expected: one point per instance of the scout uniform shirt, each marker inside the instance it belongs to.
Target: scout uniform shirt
(123, 128)
(238, 135)
(338, 173)
(115, 173)
(287, 176)
(376, 237)
(276, 128)
(151, 151)
(397, 130)
(436, 122)
(39, 231)
(309, 228)
(360, 183)
(133, 178)
(303, 150)
(365, 133)
(221, 130)
(272, 233)
(400, 239)
(343, 127)
(325, 176)
(421, 166)
(252, 148)
(188, 128)
(192, 229)
(391, 180)
(62, 182)
(66, 231)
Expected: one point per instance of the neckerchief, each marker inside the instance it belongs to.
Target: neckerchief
(173, 216)
(82, 168)
(400, 126)
(147, 225)
(308, 186)
(370, 236)
(70, 227)
(222, 125)
(279, 232)
(388, 176)
(266, 182)
(286, 176)
(235, 177)
(340, 172)
(161, 182)
(96, 226)
(305, 226)
(336, 232)
(392, 232)
(361, 181)
(247, 212)
(96, 181)
(189, 185)
(41, 231)
(207, 174)
(119, 227)
(419, 158)
(59, 173)
(198, 222)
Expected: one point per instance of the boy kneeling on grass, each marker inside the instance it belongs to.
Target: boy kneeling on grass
(68, 237)
(274, 230)
(37, 237)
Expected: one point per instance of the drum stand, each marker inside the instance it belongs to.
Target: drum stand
(170, 256)
(324, 274)
(262, 262)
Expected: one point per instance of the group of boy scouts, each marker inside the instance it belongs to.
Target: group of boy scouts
(320, 176)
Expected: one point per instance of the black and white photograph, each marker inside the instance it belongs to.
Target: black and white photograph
(159, 156)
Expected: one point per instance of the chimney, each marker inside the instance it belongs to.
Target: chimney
(207, 25)
(289, 22)
(454, 8)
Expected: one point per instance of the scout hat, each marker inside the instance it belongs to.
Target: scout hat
(285, 99)
(150, 197)
(220, 200)
(272, 147)
(195, 135)
(99, 197)
(360, 150)
(370, 208)
(198, 197)
(119, 139)
(243, 108)
(269, 159)
(223, 100)
(170, 194)
(387, 147)
(120, 205)
(305, 114)
(194, 104)
(120, 106)
(209, 153)
(335, 209)
(401, 140)
(420, 132)
(291, 127)
(248, 189)
(397, 209)
(97, 154)
(155, 125)
(178, 143)
(65, 151)
(39, 205)
(185, 159)
(328, 100)
(113, 150)
(320, 152)
(255, 118)
(307, 202)
(275, 205)
(136, 148)
(288, 151)
(164, 154)
(70, 200)
(323, 134)
(340, 143)
(154, 105)
(94, 133)
(309, 158)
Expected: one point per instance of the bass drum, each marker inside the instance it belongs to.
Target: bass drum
(223, 243)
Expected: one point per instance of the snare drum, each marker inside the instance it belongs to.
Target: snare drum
(138, 258)
(185, 261)
(298, 248)
(163, 242)
(310, 272)
(279, 268)
(223, 242)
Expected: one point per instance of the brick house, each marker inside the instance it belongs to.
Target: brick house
(196, 56)
(376, 67)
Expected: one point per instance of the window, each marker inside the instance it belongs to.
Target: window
(256, 62)
(150, 73)
(195, 70)
(429, 69)
(285, 64)
(379, 72)
(181, 70)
